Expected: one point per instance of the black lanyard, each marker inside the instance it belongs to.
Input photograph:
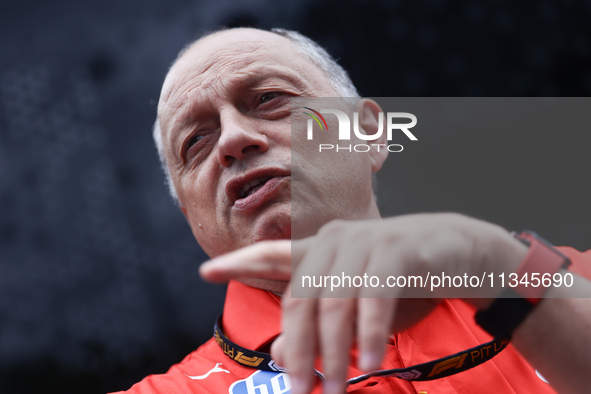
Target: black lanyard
(436, 369)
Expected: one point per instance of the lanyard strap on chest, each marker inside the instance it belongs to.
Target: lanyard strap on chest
(436, 369)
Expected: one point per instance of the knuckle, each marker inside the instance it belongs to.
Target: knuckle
(330, 307)
(423, 259)
(374, 332)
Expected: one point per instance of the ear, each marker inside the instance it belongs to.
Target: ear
(184, 211)
(369, 112)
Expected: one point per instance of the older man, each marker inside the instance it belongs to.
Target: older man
(223, 132)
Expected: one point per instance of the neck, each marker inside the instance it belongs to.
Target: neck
(274, 286)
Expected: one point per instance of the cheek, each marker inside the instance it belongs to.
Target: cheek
(280, 133)
(205, 226)
(197, 193)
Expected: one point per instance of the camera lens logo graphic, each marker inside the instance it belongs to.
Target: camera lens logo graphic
(316, 115)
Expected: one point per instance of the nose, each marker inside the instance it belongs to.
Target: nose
(239, 138)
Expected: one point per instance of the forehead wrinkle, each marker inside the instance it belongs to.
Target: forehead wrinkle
(227, 55)
(226, 63)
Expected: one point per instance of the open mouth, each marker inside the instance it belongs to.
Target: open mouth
(249, 191)
(251, 187)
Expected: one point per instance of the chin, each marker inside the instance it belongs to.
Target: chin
(307, 222)
(273, 225)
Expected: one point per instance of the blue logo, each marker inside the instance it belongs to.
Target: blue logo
(263, 382)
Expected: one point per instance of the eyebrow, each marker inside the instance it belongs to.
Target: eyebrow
(295, 79)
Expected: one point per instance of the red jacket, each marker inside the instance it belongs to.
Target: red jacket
(252, 319)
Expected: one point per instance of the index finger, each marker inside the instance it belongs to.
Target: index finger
(263, 260)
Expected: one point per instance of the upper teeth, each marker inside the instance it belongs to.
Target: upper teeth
(250, 185)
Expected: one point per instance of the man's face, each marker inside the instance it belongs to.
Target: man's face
(225, 114)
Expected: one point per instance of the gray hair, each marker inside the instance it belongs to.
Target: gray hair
(336, 74)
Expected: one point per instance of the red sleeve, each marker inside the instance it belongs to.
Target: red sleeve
(581, 261)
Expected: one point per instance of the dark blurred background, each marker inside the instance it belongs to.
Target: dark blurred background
(99, 281)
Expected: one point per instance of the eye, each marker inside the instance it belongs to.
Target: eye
(268, 97)
(195, 139)
(190, 149)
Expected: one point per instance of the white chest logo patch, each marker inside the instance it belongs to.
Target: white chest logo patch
(262, 382)
(214, 369)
